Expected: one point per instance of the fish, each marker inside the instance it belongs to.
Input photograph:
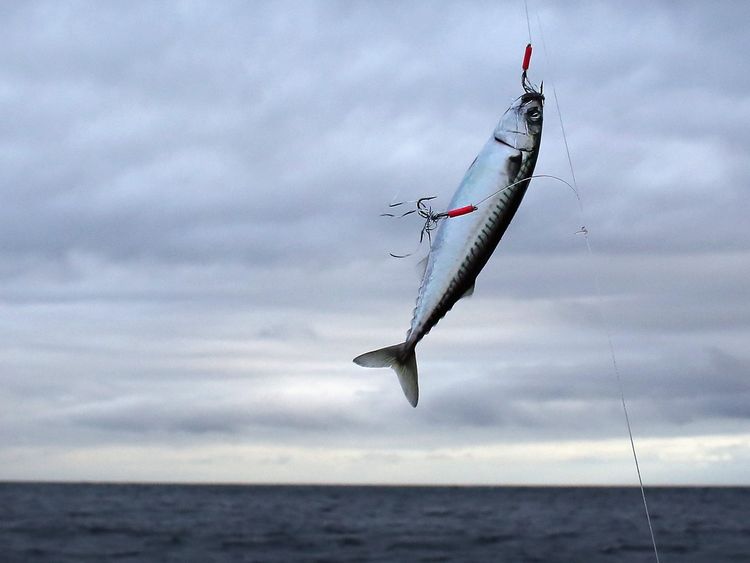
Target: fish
(494, 185)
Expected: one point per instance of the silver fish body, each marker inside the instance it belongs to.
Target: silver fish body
(496, 182)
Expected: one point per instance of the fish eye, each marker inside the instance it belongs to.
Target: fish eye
(534, 114)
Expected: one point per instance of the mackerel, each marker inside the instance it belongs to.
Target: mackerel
(495, 184)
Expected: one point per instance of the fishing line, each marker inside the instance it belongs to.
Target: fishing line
(528, 22)
(600, 297)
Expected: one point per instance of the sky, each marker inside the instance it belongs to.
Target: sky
(192, 253)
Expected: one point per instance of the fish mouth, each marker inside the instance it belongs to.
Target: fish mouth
(532, 96)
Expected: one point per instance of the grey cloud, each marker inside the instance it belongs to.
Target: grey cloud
(155, 417)
(190, 211)
(214, 188)
(664, 392)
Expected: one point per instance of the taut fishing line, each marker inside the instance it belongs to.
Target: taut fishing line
(599, 293)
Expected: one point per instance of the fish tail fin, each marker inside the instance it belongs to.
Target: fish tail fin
(403, 360)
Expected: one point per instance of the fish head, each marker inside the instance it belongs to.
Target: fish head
(521, 125)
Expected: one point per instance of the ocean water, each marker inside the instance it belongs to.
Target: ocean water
(128, 523)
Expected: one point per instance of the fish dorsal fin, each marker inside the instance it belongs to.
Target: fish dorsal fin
(469, 292)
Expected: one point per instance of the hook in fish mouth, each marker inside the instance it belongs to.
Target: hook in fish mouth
(531, 95)
(530, 91)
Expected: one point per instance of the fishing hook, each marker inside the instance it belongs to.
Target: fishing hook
(424, 210)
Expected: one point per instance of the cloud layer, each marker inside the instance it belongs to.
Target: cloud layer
(192, 249)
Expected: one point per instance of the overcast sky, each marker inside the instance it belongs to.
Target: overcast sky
(192, 251)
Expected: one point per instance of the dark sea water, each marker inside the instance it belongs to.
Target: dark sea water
(125, 523)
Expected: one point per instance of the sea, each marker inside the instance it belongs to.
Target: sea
(55, 522)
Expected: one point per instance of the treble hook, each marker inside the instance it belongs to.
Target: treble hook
(423, 209)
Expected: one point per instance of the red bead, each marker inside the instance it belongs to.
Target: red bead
(461, 211)
(526, 58)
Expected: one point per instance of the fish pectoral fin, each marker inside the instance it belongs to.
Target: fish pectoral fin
(470, 291)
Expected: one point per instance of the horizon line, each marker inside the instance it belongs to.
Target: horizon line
(367, 484)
